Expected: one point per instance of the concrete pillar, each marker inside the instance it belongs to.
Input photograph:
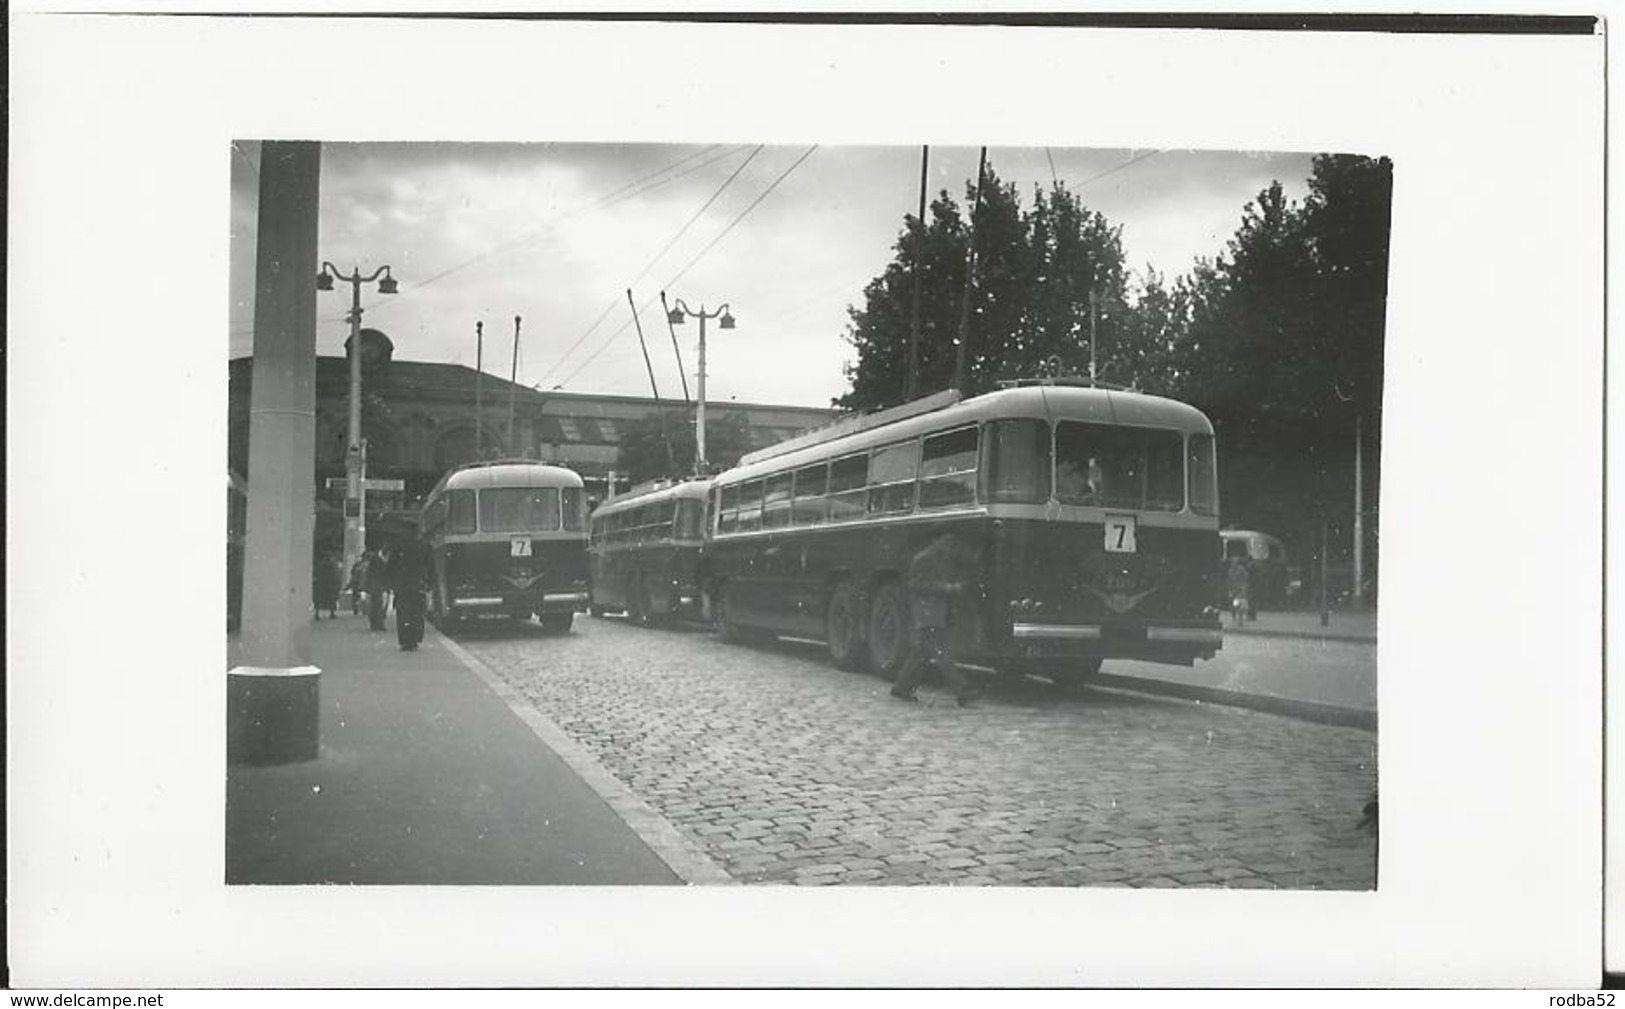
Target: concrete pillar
(273, 699)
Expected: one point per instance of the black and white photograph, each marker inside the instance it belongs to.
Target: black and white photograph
(985, 463)
(730, 489)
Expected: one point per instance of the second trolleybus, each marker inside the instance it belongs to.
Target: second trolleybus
(646, 550)
(509, 538)
(1089, 519)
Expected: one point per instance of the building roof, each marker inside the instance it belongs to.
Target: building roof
(458, 382)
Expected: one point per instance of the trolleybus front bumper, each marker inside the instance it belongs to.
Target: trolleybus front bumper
(1158, 643)
(550, 602)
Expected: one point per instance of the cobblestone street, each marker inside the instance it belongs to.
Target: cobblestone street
(785, 770)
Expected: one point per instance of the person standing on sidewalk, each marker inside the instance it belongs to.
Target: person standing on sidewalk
(936, 579)
(376, 581)
(410, 569)
(1237, 584)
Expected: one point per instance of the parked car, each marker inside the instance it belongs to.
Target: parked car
(1274, 582)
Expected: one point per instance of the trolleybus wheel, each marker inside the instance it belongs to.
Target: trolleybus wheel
(842, 627)
(888, 630)
(595, 610)
(557, 623)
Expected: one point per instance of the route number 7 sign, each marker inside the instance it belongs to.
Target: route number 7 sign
(1120, 534)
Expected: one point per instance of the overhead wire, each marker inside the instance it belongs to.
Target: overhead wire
(637, 187)
(610, 340)
(559, 362)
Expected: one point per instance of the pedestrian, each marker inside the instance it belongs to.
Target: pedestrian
(938, 590)
(324, 584)
(1237, 581)
(410, 568)
(376, 580)
(356, 585)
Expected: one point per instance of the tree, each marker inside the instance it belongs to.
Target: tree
(1034, 271)
(1282, 348)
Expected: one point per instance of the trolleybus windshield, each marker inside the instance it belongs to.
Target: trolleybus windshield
(1119, 467)
(521, 509)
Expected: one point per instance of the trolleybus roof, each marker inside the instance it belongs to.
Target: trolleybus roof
(645, 493)
(508, 473)
(1042, 401)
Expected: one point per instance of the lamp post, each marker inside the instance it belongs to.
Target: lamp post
(676, 319)
(355, 453)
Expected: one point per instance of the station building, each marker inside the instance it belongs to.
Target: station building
(419, 419)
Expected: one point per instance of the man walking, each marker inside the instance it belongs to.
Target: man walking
(376, 580)
(410, 567)
(936, 579)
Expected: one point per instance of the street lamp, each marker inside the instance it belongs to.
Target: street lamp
(675, 317)
(355, 453)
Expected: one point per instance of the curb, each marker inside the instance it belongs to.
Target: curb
(1324, 635)
(691, 864)
(1308, 711)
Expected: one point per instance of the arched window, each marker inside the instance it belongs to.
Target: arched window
(454, 447)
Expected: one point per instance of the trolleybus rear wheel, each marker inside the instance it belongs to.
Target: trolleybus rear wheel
(888, 630)
(842, 627)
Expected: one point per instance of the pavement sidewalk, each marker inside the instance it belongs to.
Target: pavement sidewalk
(426, 774)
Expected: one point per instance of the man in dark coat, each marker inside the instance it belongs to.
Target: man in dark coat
(938, 583)
(410, 567)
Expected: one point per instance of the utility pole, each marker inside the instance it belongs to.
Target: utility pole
(513, 385)
(479, 405)
(962, 355)
(912, 390)
(1094, 311)
(1359, 514)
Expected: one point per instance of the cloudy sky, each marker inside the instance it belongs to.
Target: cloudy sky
(787, 237)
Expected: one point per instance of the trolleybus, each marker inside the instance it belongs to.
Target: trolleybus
(509, 538)
(645, 551)
(1088, 517)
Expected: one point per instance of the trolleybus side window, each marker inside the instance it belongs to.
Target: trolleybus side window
(575, 508)
(462, 510)
(948, 469)
(811, 483)
(750, 506)
(1017, 461)
(728, 510)
(1119, 467)
(519, 509)
(776, 502)
(1201, 475)
(891, 477)
(848, 490)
